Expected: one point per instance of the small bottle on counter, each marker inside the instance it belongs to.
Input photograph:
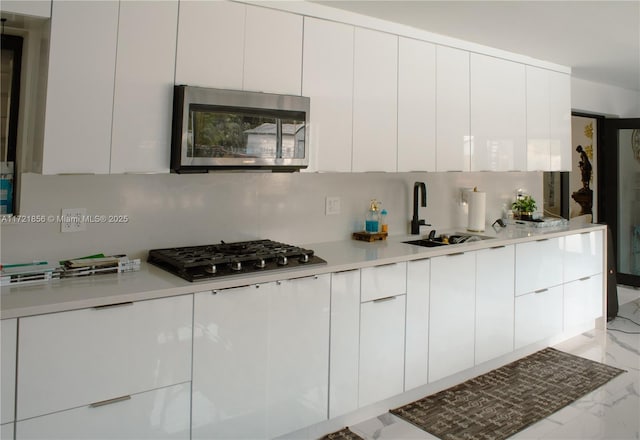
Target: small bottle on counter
(384, 227)
(372, 220)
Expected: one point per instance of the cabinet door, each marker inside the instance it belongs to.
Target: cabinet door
(272, 51)
(383, 281)
(538, 120)
(538, 316)
(494, 302)
(210, 47)
(327, 79)
(142, 102)
(416, 357)
(230, 355)
(451, 314)
(583, 301)
(82, 56)
(583, 255)
(453, 147)
(539, 264)
(375, 101)
(345, 336)
(416, 105)
(560, 121)
(8, 341)
(157, 414)
(6, 431)
(85, 356)
(382, 323)
(298, 365)
(498, 120)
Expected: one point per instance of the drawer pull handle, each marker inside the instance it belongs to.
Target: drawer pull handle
(543, 239)
(388, 298)
(497, 247)
(455, 254)
(113, 306)
(384, 265)
(345, 271)
(584, 279)
(541, 290)
(110, 401)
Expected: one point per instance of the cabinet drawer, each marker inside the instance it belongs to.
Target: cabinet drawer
(8, 334)
(538, 316)
(583, 255)
(383, 281)
(538, 264)
(83, 356)
(583, 300)
(157, 414)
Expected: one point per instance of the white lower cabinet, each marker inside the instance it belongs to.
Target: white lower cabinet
(345, 337)
(416, 357)
(261, 359)
(72, 359)
(583, 301)
(8, 341)
(382, 323)
(159, 414)
(494, 302)
(538, 316)
(6, 431)
(451, 314)
(539, 264)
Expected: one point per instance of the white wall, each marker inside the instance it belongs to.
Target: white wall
(603, 99)
(178, 210)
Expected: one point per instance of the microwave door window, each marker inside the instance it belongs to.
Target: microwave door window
(220, 134)
(293, 132)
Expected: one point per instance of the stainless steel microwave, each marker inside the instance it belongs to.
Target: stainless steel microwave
(216, 129)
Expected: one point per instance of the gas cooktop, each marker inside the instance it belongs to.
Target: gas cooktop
(198, 263)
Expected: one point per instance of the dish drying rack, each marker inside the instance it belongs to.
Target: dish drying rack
(42, 271)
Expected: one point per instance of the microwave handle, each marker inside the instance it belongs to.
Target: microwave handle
(278, 138)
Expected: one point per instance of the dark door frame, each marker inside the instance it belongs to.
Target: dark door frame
(608, 204)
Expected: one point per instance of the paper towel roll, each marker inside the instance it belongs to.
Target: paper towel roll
(477, 205)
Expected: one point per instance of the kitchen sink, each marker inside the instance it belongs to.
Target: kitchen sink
(455, 238)
(427, 243)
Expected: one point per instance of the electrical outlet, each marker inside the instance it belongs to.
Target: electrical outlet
(332, 206)
(73, 220)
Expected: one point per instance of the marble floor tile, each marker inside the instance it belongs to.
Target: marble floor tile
(611, 412)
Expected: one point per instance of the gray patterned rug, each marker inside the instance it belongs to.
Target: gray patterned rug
(343, 434)
(504, 401)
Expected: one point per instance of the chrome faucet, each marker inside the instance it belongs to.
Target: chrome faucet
(415, 223)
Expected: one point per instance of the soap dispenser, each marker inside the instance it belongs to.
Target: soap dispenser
(372, 220)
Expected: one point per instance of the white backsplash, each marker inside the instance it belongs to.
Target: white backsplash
(179, 210)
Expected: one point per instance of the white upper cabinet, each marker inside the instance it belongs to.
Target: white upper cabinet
(498, 120)
(375, 101)
(272, 51)
(416, 105)
(560, 120)
(538, 135)
(327, 79)
(210, 44)
(548, 120)
(453, 148)
(141, 139)
(34, 8)
(80, 85)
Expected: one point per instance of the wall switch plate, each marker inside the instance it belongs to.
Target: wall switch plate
(332, 206)
(72, 220)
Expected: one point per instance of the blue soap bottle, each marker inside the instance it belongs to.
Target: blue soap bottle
(372, 221)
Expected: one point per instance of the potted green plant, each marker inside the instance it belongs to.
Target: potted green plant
(524, 207)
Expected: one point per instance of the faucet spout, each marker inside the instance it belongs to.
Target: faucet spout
(418, 188)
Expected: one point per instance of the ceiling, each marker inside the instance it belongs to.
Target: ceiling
(599, 40)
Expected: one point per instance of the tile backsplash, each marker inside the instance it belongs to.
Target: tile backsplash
(167, 210)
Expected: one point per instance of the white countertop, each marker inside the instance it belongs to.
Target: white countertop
(151, 282)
